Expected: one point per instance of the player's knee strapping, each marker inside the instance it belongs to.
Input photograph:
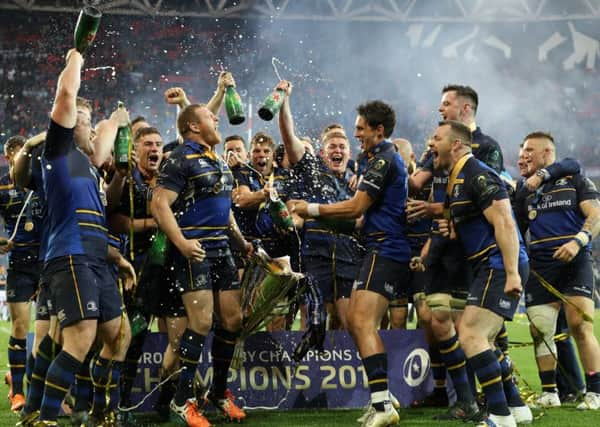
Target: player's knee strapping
(543, 319)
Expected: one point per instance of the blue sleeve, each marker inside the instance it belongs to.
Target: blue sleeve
(428, 163)
(586, 189)
(567, 166)
(485, 187)
(377, 173)
(172, 174)
(59, 141)
(241, 178)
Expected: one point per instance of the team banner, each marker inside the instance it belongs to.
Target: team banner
(335, 378)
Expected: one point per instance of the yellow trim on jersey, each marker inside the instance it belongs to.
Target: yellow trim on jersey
(92, 225)
(481, 252)
(89, 211)
(549, 239)
(461, 202)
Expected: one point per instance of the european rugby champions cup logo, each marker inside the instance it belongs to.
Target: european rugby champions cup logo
(416, 367)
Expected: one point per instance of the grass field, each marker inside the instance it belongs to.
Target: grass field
(567, 416)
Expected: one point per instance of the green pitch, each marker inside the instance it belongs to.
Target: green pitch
(567, 416)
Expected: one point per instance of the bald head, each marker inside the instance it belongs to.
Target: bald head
(404, 148)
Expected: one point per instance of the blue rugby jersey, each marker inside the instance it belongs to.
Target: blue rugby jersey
(142, 195)
(256, 223)
(204, 183)
(417, 231)
(26, 243)
(315, 183)
(476, 187)
(487, 149)
(386, 182)
(246, 218)
(119, 242)
(554, 214)
(563, 168)
(75, 198)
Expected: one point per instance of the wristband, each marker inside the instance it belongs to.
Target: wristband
(313, 210)
(544, 174)
(582, 238)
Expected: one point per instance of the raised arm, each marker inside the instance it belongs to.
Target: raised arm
(106, 132)
(215, 103)
(21, 171)
(64, 110)
(293, 146)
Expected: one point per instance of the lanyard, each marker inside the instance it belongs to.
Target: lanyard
(454, 173)
(451, 180)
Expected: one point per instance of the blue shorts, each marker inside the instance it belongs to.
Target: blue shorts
(382, 275)
(575, 278)
(22, 280)
(450, 273)
(81, 288)
(418, 281)
(487, 289)
(334, 279)
(43, 301)
(217, 272)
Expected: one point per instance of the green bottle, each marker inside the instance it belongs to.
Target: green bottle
(280, 215)
(234, 106)
(123, 144)
(86, 28)
(137, 322)
(158, 251)
(272, 105)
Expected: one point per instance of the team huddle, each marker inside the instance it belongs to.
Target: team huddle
(451, 233)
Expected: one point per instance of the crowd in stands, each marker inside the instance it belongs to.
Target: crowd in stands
(143, 56)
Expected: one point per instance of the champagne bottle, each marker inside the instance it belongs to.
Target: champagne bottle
(86, 28)
(234, 106)
(123, 144)
(280, 215)
(137, 322)
(158, 251)
(272, 105)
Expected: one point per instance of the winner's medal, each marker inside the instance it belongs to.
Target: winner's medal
(532, 214)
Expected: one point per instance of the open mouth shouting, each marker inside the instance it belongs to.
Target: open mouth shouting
(153, 160)
(336, 160)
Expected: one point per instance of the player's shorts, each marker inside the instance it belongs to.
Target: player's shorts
(217, 272)
(418, 282)
(450, 273)
(382, 275)
(22, 280)
(334, 279)
(81, 288)
(575, 278)
(487, 289)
